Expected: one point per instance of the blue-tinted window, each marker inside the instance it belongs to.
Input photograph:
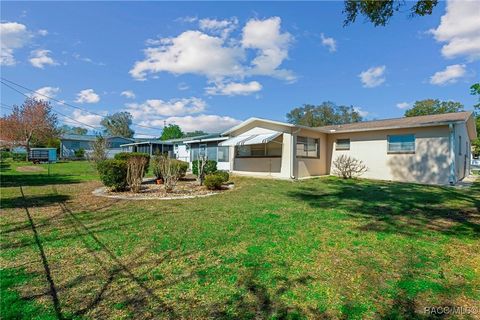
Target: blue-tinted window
(401, 143)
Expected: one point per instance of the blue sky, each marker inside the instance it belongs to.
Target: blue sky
(210, 65)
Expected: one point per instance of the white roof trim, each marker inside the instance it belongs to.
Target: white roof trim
(250, 120)
(255, 135)
(206, 140)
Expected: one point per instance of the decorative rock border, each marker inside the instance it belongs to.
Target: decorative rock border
(102, 192)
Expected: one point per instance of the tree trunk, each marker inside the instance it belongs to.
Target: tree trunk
(27, 147)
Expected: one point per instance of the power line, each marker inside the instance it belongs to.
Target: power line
(63, 102)
(70, 118)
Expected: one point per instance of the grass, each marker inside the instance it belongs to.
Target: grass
(319, 248)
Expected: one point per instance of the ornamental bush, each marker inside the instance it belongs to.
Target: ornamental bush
(113, 174)
(224, 174)
(125, 155)
(19, 156)
(80, 153)
(5, 155)
(183, 166)
(210, 167)
(213, 181)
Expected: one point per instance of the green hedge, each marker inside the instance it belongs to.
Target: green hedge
(19, 156)
(210, 167)
(157, 171)
(5, 155)
(125, 155)
(113, 174)
(213, 181)
(224, 174)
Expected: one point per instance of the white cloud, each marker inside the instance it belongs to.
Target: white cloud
(404, 105)
(220, 57)
(373, 77)
(361, 112)
(42, 32)
(220, 27)
(272, 45)
(234, 88)
(87, 96)
(128, 94)
(183, 86)
(329, 42)
(451, 74)
(44, 92)
(85, 119)
(460, 29)
(13, 36)
(155, 109)
(40, 58)
(191, 52)
(87, 59)
(204, 122)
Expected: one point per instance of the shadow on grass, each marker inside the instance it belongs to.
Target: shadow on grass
(399, 207)
(25, 180)
(37, 201)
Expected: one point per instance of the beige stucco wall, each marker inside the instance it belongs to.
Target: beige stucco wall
(429, 164)
(308, 167)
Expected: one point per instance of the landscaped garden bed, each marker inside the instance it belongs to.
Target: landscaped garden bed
(150, 190)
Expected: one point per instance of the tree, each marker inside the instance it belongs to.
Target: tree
(65, 129)
(379, 12)
(325, 114)
(195, 133)
(433, 106)
(33, 121)
(172, 131)
(118, 124)
(475, 90)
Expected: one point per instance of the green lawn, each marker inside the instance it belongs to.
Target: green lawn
(319, 248)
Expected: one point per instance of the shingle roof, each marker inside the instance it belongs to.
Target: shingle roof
(407, 122)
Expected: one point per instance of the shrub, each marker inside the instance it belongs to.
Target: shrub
(213, 181)
(183, 166)
(224, 174)
(113, 174)
(99, 149)
(125, 155)
(210, 167)
(135, 171)
(170, 170)
(348, 167)
(5, 155)
(80, 153)
(19, 156)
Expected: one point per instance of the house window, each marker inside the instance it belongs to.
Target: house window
(342, 144)
(401, 143)
(202, 152)
(459, 145)
(223, 154)
(307, 147)
(271, 150)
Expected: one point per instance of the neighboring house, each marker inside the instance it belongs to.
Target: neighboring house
(208, 145)
(151, 147)
(432, 149)
(69, 143)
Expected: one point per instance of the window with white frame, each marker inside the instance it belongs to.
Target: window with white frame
(404, 143)
(308, 147)
(272, 149)
(342, 144)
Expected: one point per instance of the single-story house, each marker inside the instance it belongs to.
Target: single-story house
(433, 149)
(151, 147)
(69, 143)
(208, 145)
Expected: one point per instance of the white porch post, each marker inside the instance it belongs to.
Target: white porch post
(452, 178)
(287, 152)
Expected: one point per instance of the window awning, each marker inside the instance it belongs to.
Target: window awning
(252, 136)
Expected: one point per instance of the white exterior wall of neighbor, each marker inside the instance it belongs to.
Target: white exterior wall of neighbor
(181, 152)
(429, 164)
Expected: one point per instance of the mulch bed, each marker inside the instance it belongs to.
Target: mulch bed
(188, 188)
